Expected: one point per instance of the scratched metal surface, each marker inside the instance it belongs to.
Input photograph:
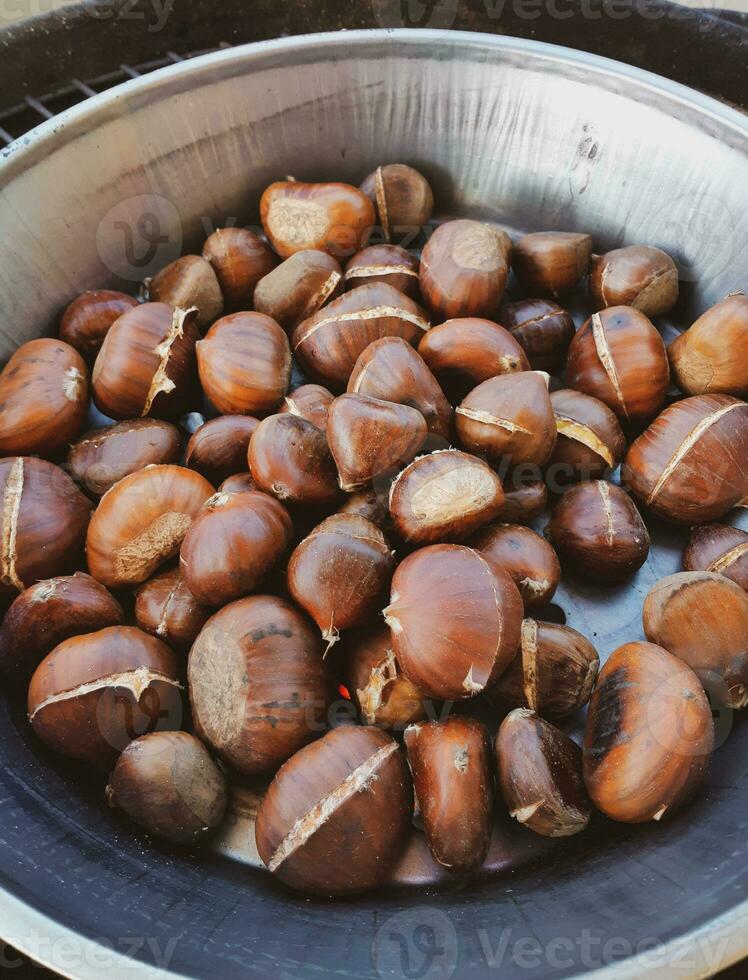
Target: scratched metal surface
(534, 137)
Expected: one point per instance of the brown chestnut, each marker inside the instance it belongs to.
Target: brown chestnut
(169, 785)
(289, 458)
(638, 275)
(540, 775)
(87, 319)
(391, 369)
(444, 496)
(238, 483)
(244, 363)
(218, 449)
(718, 548)
(702, 618)
(310, 402)
(44, 399)
(298, 287)
(464, 269)
(590, 440)
(649, 734)
(165, 608)
(103, 457)
(384, 263)
(258, 685)
(95, 693)
(328, 343)
(235, 540)
(620, 358)
(146, 365)
(523, 502)
(186, 283)
(371, 439)
(341, 573)
(330, 217)
(385, 697)
(691, 465)
(529, 559)
(336, 817)
(462, 353)
(549, 264)
(542, 328)
(140, 523)
(455, 619)
(598, 532)
(712, 355)
(369, 503)
(239, 259)
(48, 613)
(403, 199)
(452, 781)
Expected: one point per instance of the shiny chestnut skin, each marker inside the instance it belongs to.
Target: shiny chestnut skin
(238, 483)
(290, 459)
(464, 270)
(464, 352)
(509, 419)
(590, 441)
(235, 540)
(718, 548)
(349, 793)
(218, 449)
(44, 399)
(310, 402)
(43, 522)
(455, 619)
(391, 369)
(298, 287)
(140, 523)
(702, 618)
(529, 559)
(444, 496)
(165, 608)
(103, 457)
(549, 264)
(540, 776)
(452, 781)
(370, 503)
(523, 502)
(691, 465)
(329, 343)
(244, 363)
(712, 355)
(94, 694)
(239, 259)
(637, 275)
(384, 696)
(340, 574)
(86, 320)
(403, 199)
(553, 673)
(598, 532)
(189, 281)
(258, 685)
(146, 365)
(542, 328)
(620, 358)
(371, 439)
(649, 735)
(384, 263)
(48, 613)
(329, 217)
(168, 784)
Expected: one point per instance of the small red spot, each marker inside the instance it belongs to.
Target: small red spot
(345, 692)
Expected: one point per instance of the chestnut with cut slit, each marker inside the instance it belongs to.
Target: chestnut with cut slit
(239, 259)
(638, 275)
(385, 697)
(290, 459)
(298, 287)
(310, 402)
(87, 319)
(186, 283)
(389, 264)
(590, 440)
(165, 608)
(528, 558)
(218, 449)
(551, 263)
(712, 355)
(542, 328)
(403, 199)
(718, 548)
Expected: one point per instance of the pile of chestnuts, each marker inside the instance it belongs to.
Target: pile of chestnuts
(315, 456)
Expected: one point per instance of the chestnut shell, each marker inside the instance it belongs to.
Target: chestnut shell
(103, 457)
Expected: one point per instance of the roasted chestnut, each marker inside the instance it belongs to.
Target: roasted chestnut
(370, 503)
(389, 264)
(523, 502)
(702, 618)
(649, 734)
(238, 483)
(542, 328)
(638, 275)
(718, 548)
(590, 440)
(140, 523)
(165, 607)
(540, 776)
(337, 815)
(44, 399)
(403, 199)
(94, 694)
(218, 449)
(452, 781)
(239, 259)
(188, 282)
(551, 263)
(169, 785)
(87, 319)
(298, 287)
(384, 696)
(444, 496)
(244, 363)
(289, 458)
(258, 685)
(712, 356)
(528, 558)
(310, 402)
(455, 619)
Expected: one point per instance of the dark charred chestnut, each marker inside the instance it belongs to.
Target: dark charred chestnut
(310, 402)
(87, 319)
(529, 559)
(298, 287)
(289, 458)
(542, 328)
(239, 259)
(165, 608)
(186, 283)
(638, 275)
(718, 548)
(218, 449)
(384, 696)
(590, 440)
(403, 199)
(712, 356)
(389, 264)
(551, 263)
(103, 457)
